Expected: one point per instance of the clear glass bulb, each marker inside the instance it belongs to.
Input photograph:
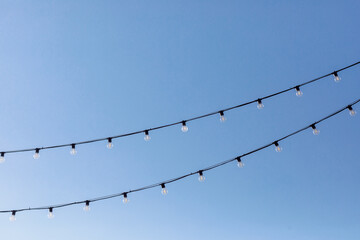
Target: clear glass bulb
(299, 93)
(164, 191)
(316, 131)
(2, 158)
(278, 149)
(87, 208)
(51, 215)
(240, 164)
(337, 78)
(184, 128)
(201, 178)
(260, 105)
(36, 155)
(222, 118)
(12, 218)
(73, 151)
(125, 200)
(352, 112)
(109, 145)
(147, 136)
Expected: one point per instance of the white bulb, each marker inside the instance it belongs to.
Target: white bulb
(184, 128)
(12, 218)
(36, 155)
(147, 136)
(2, 158)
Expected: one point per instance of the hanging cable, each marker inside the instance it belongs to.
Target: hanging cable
(164, 191)
(183, 123)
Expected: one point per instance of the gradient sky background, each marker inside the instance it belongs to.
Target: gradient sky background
(76, 70)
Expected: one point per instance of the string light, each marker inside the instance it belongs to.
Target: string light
(352, 112)
(12, 218)
(315, 130)
(239, 162)
(37, 153)
(277, 147)
(184, 128)
(164, 191)
(73, 150)
(87, 206)
(50, 214)
(201, 176)
(260, 104)
(259, 100)
(125, 200)
(2, 157)
(147, 137)
(336, 77)
(222, 116)
(109, 145)
(298, 91)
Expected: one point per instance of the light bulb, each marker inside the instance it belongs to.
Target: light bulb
(51, 214)
(222, 116)
(37, 154)
(109, 144)
(87, 206)
(336, 77)
(298, 91)
(147, 137)
(164, 191)
(277, 147)
(184, 128)
(352, 112)
(260, 104)
(73, 150)
(315, 130)
(125, 200)
(201, 176)
(239, 162)
(2, 157)
(12, 218)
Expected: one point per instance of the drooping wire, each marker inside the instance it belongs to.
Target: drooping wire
(200, 172)
(183, 122)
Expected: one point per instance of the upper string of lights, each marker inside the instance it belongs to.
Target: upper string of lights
(200, 173)
(184, 127)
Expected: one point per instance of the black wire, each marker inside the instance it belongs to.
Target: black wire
(186, 175)
(180, 122)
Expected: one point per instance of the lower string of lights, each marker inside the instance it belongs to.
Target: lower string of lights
(200, 173)
(184, 127)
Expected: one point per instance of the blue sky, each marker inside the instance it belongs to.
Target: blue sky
(76, 70)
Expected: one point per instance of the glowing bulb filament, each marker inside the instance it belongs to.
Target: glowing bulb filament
(201, 176)
(37, 154)
(147, 137)
(109, 145)
(260, 104)
(164, 191)
(184, 128)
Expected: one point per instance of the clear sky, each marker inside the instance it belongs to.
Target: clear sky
(76, 70)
